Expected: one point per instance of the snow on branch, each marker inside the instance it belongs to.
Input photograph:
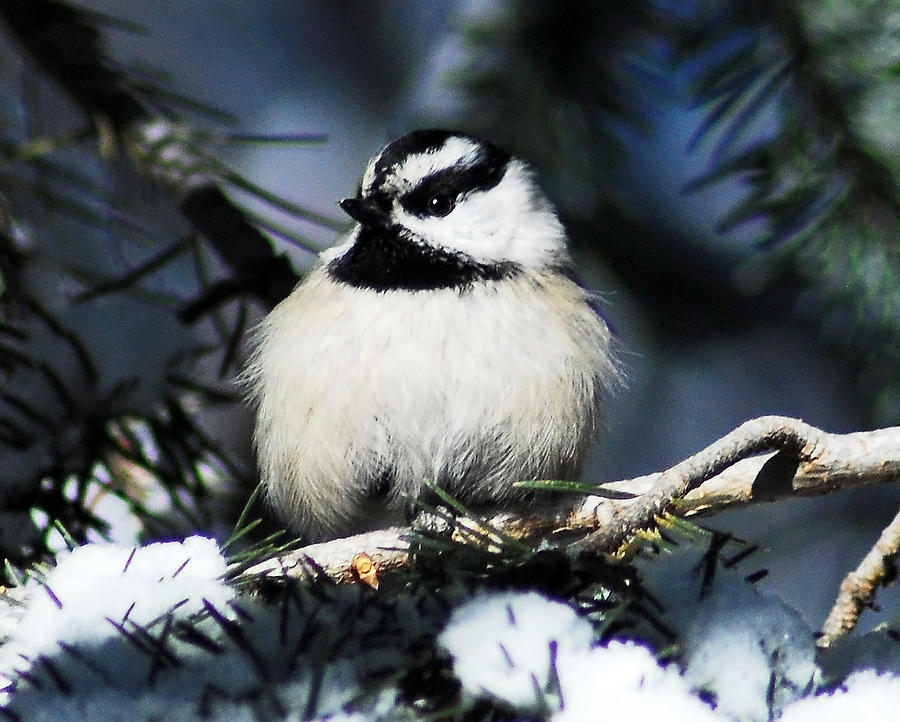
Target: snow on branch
(763, 460)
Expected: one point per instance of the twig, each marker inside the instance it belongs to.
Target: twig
(615, 520)
(808, 461)
(387, 548)
(859, 586)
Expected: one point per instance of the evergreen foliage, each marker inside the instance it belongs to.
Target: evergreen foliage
(131, 274)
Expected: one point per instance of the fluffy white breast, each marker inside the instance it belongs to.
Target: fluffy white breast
(472, 390)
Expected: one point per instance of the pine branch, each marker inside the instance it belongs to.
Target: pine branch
(823, 178)
(49, 177)
(729, 473)
(65, 43)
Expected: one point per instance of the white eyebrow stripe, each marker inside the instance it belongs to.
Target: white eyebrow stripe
(368, 177)
(455, 151)
(407, 172)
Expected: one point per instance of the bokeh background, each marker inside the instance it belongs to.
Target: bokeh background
(728, 170)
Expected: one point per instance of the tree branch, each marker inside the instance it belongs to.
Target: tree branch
(859, 586)
(726, 474)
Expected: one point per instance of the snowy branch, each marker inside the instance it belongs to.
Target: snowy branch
(728, 473)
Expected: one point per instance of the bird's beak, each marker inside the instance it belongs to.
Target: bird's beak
(370, 212)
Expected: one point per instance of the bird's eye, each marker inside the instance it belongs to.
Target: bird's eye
(440, 204)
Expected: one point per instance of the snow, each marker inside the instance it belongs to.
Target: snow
(100, 582)
(865, 695)
(97, 590)
(739, 644)
(505, 646)
(537, 656)
(735, 642)
(624, 681)
(154, 633)
(123, 633)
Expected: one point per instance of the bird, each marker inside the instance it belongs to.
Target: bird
(443, 341)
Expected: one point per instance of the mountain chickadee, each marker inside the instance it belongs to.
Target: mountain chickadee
(442, 340)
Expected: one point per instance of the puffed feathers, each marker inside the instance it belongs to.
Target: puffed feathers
(369, 383)
(472, 391)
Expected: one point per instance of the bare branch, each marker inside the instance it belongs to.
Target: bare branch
(859, 586)
(840, 461)
(723, 475)
(387, 548)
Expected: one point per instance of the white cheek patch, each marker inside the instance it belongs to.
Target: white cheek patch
(509, 222)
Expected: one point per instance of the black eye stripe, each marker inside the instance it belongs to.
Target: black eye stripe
(485, 173)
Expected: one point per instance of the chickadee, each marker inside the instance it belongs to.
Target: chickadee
(443, 340)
